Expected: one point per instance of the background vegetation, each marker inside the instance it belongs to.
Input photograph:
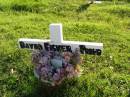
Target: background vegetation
(107, 75)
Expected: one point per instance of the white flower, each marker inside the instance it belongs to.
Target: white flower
(111, 67)
(12, 71)
(111, 57)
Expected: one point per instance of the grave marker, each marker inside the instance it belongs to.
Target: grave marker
(56, 43)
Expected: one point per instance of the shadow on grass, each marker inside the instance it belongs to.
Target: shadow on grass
(36, 7)
(44, 90)
(83, 7)
(40, 90)
(129, 94)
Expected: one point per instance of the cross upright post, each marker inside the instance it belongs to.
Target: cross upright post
(56, 34)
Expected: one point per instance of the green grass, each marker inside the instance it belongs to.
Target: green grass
(107, 75)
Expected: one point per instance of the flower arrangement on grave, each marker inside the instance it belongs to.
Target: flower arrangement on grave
(53, 67)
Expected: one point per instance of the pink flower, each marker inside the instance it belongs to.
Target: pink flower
(67, 58)
(69, 68)
(61, 72)
(44, 71)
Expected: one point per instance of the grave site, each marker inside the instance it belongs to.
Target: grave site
(56, 59)
(64, 48)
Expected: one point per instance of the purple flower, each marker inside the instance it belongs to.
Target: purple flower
(55, 67)
(43, 60)
(56, 77)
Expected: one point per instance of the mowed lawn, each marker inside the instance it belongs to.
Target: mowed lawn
(107, 75)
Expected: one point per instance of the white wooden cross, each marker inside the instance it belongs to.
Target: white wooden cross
(56, 43)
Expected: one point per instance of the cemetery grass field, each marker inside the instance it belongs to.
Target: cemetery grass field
(107, 75)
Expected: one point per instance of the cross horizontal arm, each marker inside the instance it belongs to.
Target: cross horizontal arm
(84, 47)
